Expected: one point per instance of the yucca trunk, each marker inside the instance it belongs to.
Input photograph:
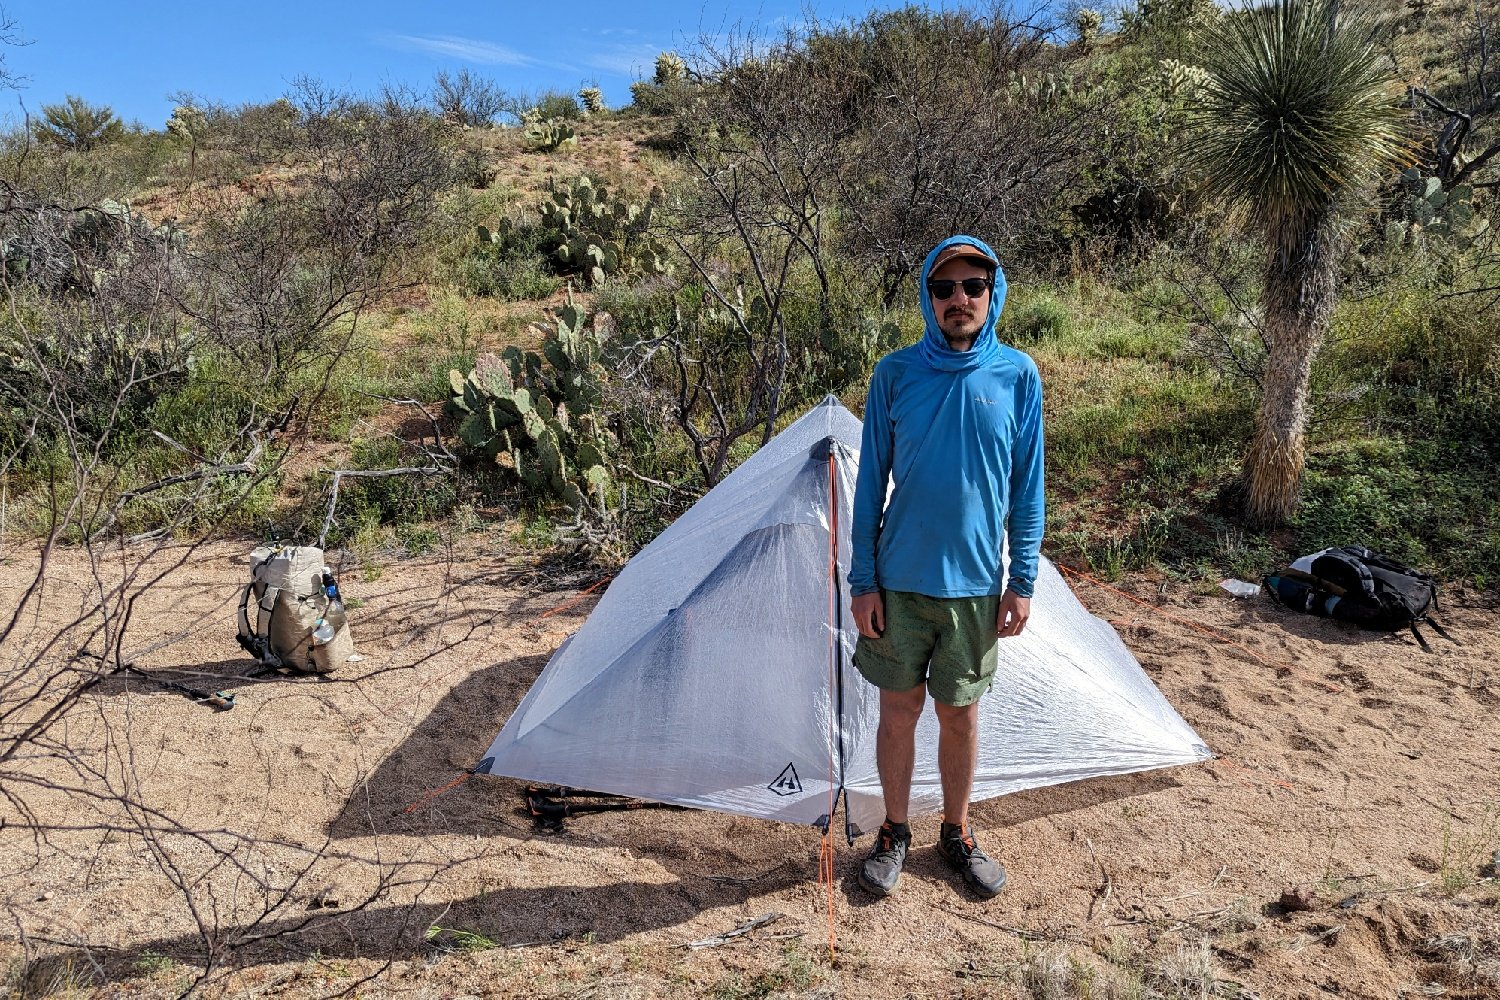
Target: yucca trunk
(1299, 291)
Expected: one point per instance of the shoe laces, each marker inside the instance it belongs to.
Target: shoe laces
(964, 843)
(887, 840)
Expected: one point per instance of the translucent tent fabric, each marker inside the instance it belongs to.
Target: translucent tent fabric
(717, 670)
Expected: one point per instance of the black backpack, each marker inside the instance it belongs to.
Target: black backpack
(1356, 585)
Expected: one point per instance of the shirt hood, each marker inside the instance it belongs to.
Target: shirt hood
(933, 346)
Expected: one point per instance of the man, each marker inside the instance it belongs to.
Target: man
(954, 425)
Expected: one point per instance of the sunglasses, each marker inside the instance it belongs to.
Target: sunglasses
(942, 288)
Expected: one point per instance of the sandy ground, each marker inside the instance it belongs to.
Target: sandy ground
(294, 845)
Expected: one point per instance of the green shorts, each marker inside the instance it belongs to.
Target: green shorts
(947, 641)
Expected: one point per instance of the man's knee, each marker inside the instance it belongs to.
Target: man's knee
(961, 721)
(900, 710)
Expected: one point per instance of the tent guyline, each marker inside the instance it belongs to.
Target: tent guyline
(716, 671)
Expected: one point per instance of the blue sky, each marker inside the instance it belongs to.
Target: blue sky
(132, 55)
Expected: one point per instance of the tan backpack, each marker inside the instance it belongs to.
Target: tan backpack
(298, 618)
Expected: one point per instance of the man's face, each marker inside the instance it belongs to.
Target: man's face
(960, 317)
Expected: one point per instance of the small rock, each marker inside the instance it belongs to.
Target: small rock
(1299, 899)
(45, 896)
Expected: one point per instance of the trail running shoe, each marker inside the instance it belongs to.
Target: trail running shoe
(880, 872)
(983, 874)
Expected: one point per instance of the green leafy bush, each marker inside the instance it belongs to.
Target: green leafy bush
(390, 500)
(508, 262)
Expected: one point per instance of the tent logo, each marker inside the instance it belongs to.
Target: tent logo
(787, 782)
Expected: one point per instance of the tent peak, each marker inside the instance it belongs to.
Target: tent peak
(820, 450)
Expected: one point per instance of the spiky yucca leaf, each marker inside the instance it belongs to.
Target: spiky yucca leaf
(1297, 109)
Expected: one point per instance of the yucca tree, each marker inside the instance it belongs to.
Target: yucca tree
(1297, 115)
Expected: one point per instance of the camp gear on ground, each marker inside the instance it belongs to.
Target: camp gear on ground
(880, 872)
(982, 873)
(291, 614)
(549, 805)
(716, 670)
(221, 701)
(1356, 585)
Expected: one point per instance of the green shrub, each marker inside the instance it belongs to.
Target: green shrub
(506, 274)
(1027, 322)
(513, 267)
(394, 500)
(661, 99)
(552, 104)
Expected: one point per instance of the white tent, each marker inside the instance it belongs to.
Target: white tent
(716, 671)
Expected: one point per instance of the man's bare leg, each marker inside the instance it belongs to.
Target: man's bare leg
(895, 747)
(958, 756)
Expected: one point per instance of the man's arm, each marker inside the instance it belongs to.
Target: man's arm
(1027, 515)
(875, 450)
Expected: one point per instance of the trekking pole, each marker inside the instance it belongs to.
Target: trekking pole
(220, 701)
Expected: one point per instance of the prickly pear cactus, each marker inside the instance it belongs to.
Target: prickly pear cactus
(1427, 211)
(536, 414)
(597, 237)
(550, 135)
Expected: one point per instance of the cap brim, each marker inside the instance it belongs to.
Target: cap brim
(964, 251)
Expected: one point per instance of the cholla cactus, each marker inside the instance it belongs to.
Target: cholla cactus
(531, 116)
(592, 99)
(1180, 79)
(1182, 18)
(1088, 22)
(1048, 90)
(187, 122)
(190, 125)
(669, 68)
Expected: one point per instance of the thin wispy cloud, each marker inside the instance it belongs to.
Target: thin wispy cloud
(467, 49)
(473, 50)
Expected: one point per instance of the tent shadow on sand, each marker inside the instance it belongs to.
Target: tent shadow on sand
(403, 796)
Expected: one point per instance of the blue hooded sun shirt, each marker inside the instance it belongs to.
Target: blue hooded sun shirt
(957, 437)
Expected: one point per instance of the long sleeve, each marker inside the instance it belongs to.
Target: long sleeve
(876, 447)
(1027, 515)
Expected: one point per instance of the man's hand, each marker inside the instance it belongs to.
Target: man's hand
(869, 615)
(1010, 620)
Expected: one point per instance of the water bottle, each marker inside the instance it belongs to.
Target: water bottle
(324, 632)
(331, 591)
(1240, 588)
